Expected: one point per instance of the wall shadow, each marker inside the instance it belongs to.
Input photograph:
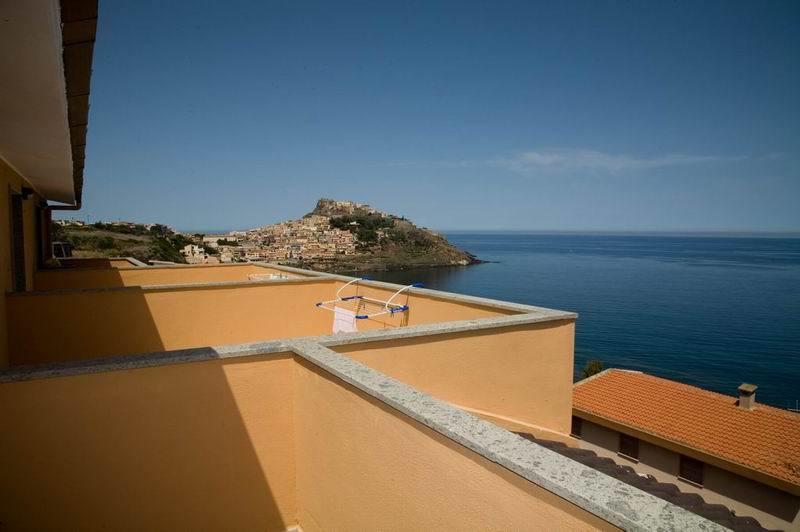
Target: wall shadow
(199, 446)
(110, 277)
(77, 277)
(63, 325)
(402, 474)
(60, 326)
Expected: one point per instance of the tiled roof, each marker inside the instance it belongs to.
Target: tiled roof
(764, 439)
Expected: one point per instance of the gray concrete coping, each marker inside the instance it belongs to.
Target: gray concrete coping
(435, 294)
(140, 360)
(170, 287)
(608, 498)
(524, 315)
(307, 276)
(179, 356)
(614, 501)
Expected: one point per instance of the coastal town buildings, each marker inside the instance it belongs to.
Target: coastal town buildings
(194, 254)
(309, 239)
(731, 450)
(216, 397)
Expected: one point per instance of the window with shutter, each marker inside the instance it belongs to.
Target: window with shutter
(691, 470)
(629, 446)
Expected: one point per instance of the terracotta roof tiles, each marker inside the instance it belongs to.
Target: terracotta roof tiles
(765, 439)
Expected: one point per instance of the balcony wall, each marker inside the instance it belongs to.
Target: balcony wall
(92, 323)
(85, 324)
(363, 466)
(264, 442)
(94, 263)
(425, 307)
(518, 377)
(201, 446)
(110, 277)
(13, 183)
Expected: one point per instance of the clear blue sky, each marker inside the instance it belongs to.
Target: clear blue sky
(459, 115)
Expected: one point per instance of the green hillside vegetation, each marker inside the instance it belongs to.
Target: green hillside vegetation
(364, 226)
(386, 242)
(100, 239)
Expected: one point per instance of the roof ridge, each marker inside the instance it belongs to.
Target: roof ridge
(697, 418)
(763, 407)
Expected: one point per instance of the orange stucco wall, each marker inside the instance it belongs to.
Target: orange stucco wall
(364, 466)
(422, 309)
(144, 276)
(201, 446)
(93, 323)
(94, 263)
(519, 377)
(88, 324)
(262, 443)
(10, 182)
(259, 443)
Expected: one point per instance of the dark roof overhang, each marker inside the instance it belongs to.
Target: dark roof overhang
(78, 28)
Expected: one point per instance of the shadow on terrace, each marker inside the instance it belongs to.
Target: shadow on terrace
(300, 428)
(91, 313)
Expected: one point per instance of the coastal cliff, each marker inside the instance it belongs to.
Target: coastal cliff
(340, 236)
(367, 239)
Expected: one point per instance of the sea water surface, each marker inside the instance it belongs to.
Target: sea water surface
(711, 311)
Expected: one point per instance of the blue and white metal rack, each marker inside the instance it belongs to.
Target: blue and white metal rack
(366, 307)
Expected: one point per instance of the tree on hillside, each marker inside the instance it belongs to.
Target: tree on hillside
(592, 367)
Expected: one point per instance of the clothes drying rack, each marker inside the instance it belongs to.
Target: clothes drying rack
(364, 307)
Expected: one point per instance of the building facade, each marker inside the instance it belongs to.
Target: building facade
(731, 451)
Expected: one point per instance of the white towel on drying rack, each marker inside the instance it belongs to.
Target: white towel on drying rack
(344, 320)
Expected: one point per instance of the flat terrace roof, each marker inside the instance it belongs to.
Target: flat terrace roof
(608, 498)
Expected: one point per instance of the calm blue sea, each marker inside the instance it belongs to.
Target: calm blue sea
(705, 310)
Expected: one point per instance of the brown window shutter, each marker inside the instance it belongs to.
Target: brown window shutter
(629, 446)
(691, 470)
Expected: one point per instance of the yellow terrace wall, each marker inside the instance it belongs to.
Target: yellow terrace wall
(201, 446)
(259, 443)
(518, 377)
(95, 263)
(85, 324)
(363, 466)
(11, 181)
(93, 323)
(423, 308)
(111, 277)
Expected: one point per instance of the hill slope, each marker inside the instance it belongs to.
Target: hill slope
(384, 241)
(153, 242)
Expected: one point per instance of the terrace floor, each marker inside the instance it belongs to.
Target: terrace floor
(162, 345)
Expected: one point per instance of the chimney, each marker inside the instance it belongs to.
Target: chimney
(747, 396)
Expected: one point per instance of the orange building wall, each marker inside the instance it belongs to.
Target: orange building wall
(111, 277)
(117, 321)
(200, 446)
(11, 181)
(422, 309)
(89, 324)
(363, 466)
(259, 443)
(519, 377)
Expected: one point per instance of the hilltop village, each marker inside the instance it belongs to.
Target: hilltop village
(335, 235)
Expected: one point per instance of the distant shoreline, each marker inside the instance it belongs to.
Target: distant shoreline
(666, 234)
